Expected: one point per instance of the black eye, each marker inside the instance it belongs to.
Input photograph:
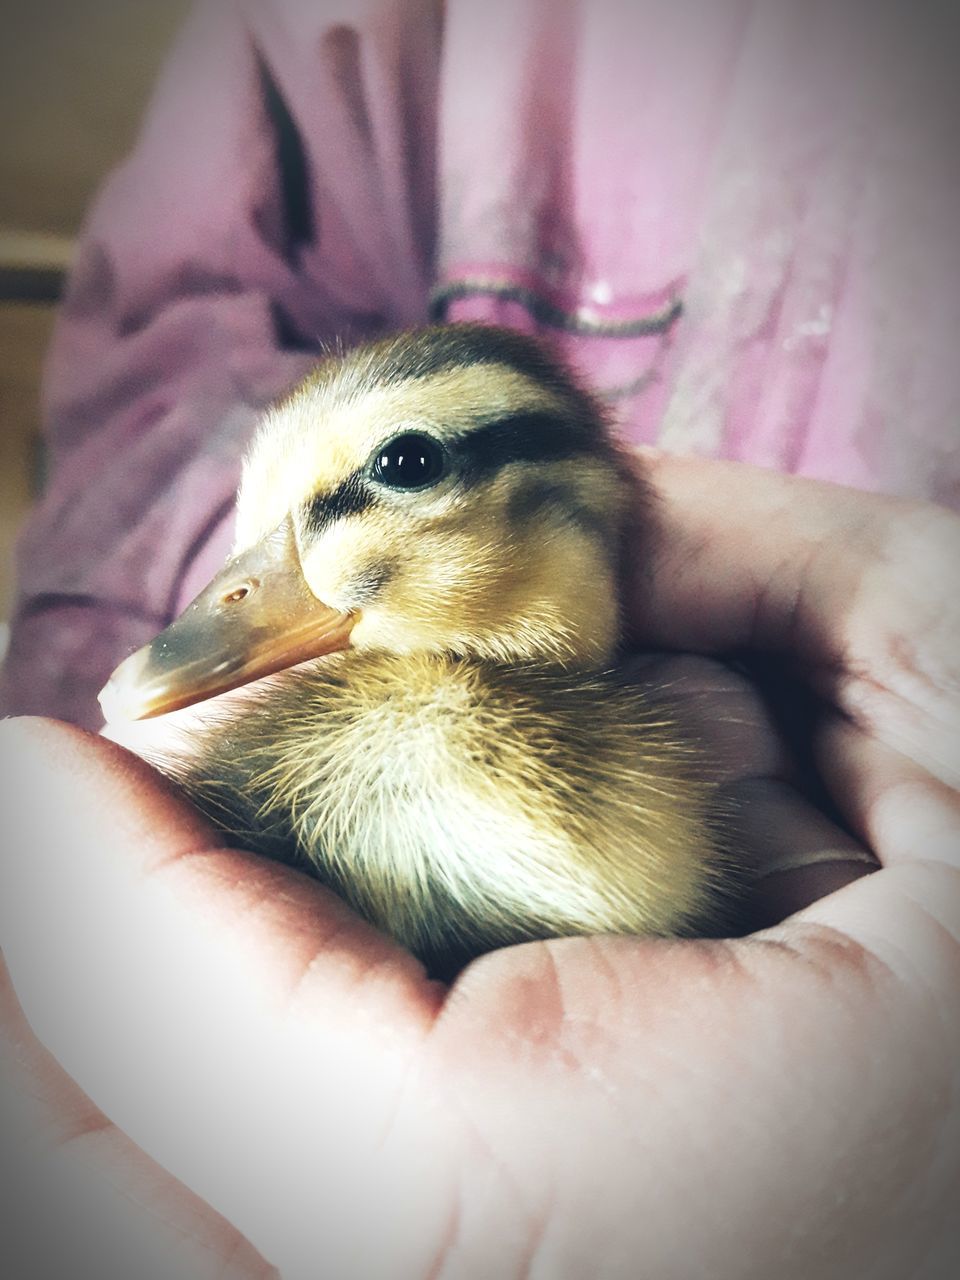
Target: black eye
(409, 461)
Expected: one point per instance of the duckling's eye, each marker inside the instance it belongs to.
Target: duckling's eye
(410, 461)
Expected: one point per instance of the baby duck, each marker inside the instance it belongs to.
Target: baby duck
(428, 544)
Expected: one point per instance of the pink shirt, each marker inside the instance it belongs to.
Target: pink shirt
(740, 220)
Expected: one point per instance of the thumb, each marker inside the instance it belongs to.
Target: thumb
(142, 950)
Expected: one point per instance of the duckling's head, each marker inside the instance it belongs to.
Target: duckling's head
(448, 490)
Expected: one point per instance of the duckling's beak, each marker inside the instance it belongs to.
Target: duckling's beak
(257, 616)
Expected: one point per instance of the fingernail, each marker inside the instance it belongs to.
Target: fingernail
(798, 860)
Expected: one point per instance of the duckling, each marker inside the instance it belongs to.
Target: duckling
(423, 603)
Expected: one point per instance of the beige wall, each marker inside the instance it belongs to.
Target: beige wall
(75, 76)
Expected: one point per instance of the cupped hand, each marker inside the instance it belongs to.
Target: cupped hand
(281, 1087)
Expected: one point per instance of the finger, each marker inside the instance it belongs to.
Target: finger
(862, 588)
(80, 1199)
(799, 855)
(794, 854)
(719, 710)
(739, 555)
(156, 964)
(891, 801)
(909, 914)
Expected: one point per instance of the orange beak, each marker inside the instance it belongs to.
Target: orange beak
(257, 616)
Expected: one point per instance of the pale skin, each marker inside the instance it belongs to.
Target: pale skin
(229, 1073)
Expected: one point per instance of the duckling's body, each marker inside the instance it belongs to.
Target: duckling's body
(462, 805)
(446, 511)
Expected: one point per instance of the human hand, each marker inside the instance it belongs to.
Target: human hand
(778, 1104)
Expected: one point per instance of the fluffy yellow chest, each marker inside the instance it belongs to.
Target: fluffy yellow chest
(462, 806)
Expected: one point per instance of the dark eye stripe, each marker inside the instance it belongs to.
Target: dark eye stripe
(348, 499)
(536, 436)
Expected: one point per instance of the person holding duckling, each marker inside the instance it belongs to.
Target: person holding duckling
(583, 1105)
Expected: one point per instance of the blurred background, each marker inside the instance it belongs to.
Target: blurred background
(75, 77)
